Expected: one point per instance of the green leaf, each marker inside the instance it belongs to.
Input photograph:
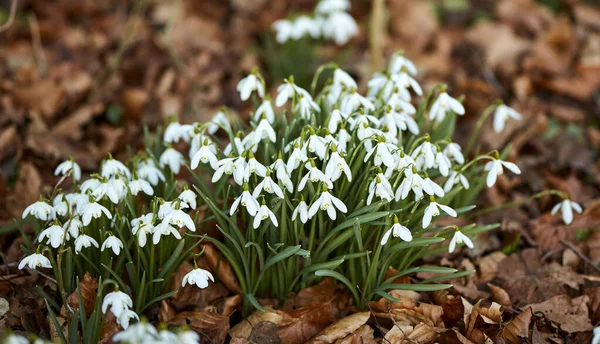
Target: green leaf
(415, 287)
(254, 303)
(159, 298)
(340, 278)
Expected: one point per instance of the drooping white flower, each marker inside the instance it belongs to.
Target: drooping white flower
(118, 302)
(15, 339)
(165, 209)
(176, 131)
(205, 154)
(306, 105)
(264, 130)
(188, 337)
(336, 166)
(140, 332)
(112, 167)
(280, 168)
(301, 210)
(502, 114)
(237, 143)
(199, 277)
(226, 166)
(148, 171)
(268, 185)
(454, 151)
(454, 178)
(108, 189)
(239, 169)
(40, 210)
(297, 157)
(180, 219)
(264, 213)
(285, 91)
(443, 163)
(340, 27)
(397, 231)
(35, 261)
(412, 181)
(284, 29)
(172, 158)
(84, 241)
(61, 205)
(164, 229)
(426, 153)
(93, 210)
(305, 25)
(327, 202)
(316, 145)
(404, 81)
(381, 188)
(137, 185)
(254, 167)
(383, 153)
(444, 104)
(249, 84)
(343, 138)
(398, 62)
(459, 238)
(68, 167)
(315, 175)
(265, 109)
(218, 120)
(566, 208)
(56, 235)
(188, 197)
(433, 209)
(496, 168)
(126, 317)
(432, 188)
(352, 100)
(113, 243)
(335, 118)
(72, 226)
(246, 200)
(340, 77)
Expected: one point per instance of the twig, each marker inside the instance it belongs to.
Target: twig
(11, 16)
(581, 255)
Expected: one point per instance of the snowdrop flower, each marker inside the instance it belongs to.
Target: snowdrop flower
(239, 169)
(84, 241)
(502, 114)
(188, 337)
(306, 106)
(403, 161)
(237, 143)
(412, 181)
(60, 205)
(164, 228)
(340, 77)
(137, 333)
(352, 100)
(35, 261)
(397, 231)
(226, 166)
(286, 91)
(443, 163)
(442, 105)
(180, 219)
(405, 81)
(166, 208)
(56, 235)
(335, 118)
(15, 339)
(206, 154)
(316, 145)
(339, 26)
(383, 153)
(301, 210)
(304, 25)
(137, 185)
(93, 210)
(111, 167)
(72, 226)
(265, 109)
(112, 242)
(454, 178)
(331, 6)
(40, 210)
(343, 138)
(566, 208)
(284, 29)
(118, 302)
(297, 157)
(433, 210)
(459, 238)
(264, 130)
(381, 188)
(109, 189)
(246, 200)
(218, 120)
(172, 158)
(249, 84)
(596, 338)
(454, 151)
(68, 167)
(432, 188)
(329, 203)
(141, 227)
(148, 171)
(314, 175)
(264, 213)
(188, 197)
(269, 186)
(427, 151)
(199, 277)
(336, 166)
(496, 168)
(126, 317)
(399, 62)
(254, 167)
(176, 131)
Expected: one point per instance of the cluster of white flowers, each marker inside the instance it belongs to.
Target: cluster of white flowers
(120, 305)
(18, 339)
(143, 332)
(330, 21)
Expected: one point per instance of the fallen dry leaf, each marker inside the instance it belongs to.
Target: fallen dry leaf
(571, 315)
(224, 271)
(88, 287)
(341, 328)
(364, 335)
(517, 329)
(211, 326)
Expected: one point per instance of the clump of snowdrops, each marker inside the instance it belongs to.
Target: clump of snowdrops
(330, 183)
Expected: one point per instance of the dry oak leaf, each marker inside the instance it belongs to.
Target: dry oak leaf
(224, 271)
(481, 316)
(88, 287)
(341, 328)
(420, 334)
(211, 326)
(488, 266)
(500, 295)
(517, 330)
(364, 335)
(571, 315)
(302, 324)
